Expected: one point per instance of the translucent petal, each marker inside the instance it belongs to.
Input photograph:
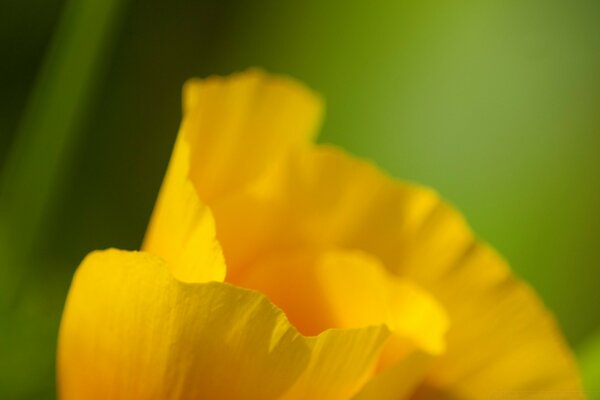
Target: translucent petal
(233, 129)
(349, 289)
(240, 125)
(341, 362)
(132, 331)
(182, 228)
(501, 340)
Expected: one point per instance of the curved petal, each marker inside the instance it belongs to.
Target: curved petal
(341, 362)
(233, 129)
(349, 290)
(132, 331)
(182, 228)
(238, 126)
(502, 339)
(509, 343)
(361, 292)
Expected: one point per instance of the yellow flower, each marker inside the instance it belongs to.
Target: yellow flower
(274, 268)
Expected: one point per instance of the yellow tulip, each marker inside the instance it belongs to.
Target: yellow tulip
(274, 268)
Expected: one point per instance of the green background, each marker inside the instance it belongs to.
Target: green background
(496, 104)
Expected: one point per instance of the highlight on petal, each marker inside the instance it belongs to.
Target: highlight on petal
(361, 292)
(130, 330)
(182, 229)
(502, 339)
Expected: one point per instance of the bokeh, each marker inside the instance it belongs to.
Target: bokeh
(495, 104)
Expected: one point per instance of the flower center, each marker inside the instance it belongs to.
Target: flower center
(347, 290)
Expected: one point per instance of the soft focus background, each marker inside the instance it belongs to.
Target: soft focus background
(494, 103)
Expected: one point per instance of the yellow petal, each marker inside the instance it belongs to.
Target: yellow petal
(341, 362)
(504, 342)
(132, 331)
(399, 381)
(240, 125)
(361, 292)
(349, 290)
(233, 129)
(182, 229)
(502, 339)
(317, 199)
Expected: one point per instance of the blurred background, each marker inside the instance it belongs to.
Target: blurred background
(494, 103)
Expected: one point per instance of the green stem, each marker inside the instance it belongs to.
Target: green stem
(49, 128)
